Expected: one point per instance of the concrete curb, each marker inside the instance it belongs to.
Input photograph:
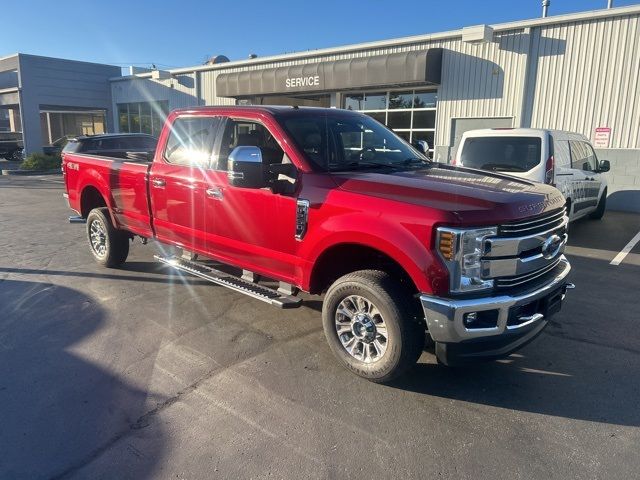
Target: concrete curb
(55, 171)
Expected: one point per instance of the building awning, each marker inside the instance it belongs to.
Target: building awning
(394, 69)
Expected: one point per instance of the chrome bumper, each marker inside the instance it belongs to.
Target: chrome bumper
(444, 316)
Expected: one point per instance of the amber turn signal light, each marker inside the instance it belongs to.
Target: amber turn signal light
(446, 244)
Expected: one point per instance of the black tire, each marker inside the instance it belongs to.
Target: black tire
(404, 329)
(112, 247)
(602, 205)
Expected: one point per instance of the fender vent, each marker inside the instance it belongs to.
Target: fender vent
(302, 217)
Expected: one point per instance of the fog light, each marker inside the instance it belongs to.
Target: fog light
(483, 319)
(470, 319)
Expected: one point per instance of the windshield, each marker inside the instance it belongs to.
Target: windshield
(503, 154)
(350, 142)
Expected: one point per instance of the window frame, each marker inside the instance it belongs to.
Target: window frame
(222, 127)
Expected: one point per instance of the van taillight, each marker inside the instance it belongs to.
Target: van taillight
(548, 170)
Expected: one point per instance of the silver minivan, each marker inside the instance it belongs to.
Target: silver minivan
(563, 159)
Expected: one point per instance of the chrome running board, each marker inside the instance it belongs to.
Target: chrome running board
(232, 282)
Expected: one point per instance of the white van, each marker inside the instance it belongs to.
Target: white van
(563, 159)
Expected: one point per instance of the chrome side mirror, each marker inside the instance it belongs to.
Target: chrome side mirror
(245, 168)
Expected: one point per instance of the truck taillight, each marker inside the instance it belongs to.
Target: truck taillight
(548, 170)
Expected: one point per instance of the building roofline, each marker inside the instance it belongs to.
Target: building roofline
(6, 57)
(565, 18)
(30, 55)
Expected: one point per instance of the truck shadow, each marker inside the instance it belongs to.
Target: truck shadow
(60, 410)
(583, 366)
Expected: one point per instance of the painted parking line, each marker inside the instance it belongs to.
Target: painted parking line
(625, 251)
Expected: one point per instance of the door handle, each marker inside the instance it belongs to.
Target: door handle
(215, 193)
(158, 182)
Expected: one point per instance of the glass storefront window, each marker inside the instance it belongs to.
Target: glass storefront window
(354, 102)
(399, 120)
(425, 99)
(400, 99)
(375, 101)
(424, 119)
(143, 117)
(379, 116)
(410, 113)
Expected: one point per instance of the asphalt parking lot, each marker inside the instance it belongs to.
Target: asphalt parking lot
(141, 373)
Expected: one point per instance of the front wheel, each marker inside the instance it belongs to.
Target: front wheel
(370, 325)
(602, 205)
(109, 246)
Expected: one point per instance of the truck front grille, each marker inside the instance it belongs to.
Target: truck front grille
(543, 223)
(509, 282)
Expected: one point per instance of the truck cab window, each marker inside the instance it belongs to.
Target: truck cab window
(245, 133)
(191, 141)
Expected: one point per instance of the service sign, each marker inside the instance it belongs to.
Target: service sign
(602, 137)
(304, 81)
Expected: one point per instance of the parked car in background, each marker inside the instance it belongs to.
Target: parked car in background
(132, 146)
(563, 159)
(55, 147)
(11, 146)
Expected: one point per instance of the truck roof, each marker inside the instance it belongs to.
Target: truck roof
(270, 109)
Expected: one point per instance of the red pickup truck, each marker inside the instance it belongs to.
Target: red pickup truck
(331, 202)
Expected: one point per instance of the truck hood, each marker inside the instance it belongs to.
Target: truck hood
(471, 196)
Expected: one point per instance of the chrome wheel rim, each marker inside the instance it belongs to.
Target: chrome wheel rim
(361, 329)
(98, 238)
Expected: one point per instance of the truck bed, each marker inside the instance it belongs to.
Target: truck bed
(122, 183)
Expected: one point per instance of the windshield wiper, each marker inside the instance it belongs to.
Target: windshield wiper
(361, 165)
(417, 161)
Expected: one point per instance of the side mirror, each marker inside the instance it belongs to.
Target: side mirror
(586, 167)
(604, 166)
(245, 168)
(422, 146)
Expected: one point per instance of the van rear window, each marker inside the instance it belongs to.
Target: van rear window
(502, 154)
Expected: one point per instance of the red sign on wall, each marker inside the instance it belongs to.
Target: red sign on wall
(602, 137)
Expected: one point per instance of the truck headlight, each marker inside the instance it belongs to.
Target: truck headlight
(462, 252)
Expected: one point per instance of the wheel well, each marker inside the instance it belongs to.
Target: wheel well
(341, 259)
(89, 200)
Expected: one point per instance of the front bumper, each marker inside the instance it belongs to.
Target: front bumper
(519, 318)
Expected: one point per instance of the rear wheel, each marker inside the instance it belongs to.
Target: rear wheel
(602, 205)
(370, 325)
(109, 246)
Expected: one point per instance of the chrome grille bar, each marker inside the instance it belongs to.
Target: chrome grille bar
(519, 280)
(533, 226)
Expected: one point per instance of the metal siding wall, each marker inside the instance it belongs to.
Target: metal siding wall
(594, 83)
(469, 88)
(180, 91)
(208, 83)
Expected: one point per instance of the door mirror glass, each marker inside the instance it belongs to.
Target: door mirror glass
(605, 166)
(422, 146)
(245, 168)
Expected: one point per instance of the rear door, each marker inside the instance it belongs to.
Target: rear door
(177, 182)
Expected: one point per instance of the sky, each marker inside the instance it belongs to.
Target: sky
(183, 33)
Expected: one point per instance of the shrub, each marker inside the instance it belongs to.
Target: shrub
(40, 161)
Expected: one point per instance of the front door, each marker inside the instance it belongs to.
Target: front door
(586, 182)
(252, 227)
